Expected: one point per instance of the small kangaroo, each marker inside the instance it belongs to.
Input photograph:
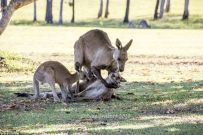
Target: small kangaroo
(97, 90)
(94, 51)
(52, 72)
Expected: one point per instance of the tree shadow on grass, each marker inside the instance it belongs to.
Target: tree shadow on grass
(140, 99)
(166, 98)
(8, 89)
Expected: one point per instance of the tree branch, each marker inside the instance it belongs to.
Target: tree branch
(10, 9)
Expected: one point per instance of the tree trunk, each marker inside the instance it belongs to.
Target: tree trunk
(127, 12)
(162, 8)
(168, 5)
(49, 16)
(61, 13)
(100, 9)
(10, 9)
(35, 11)
(107, 9)
(186, 10)
(156, 10)
(73, 10)
(3, 6)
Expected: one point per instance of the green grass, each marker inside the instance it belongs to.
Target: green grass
(15, 63)
(86, 14)
(163, 94)
(146, 108)
(170, 22)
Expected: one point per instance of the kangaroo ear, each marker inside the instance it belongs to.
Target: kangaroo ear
(118, 44)
(127, 46)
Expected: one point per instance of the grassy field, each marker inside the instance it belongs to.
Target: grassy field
(163, 95)
(86, 14)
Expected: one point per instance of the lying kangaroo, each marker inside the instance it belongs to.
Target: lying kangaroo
(97, 90)
(82, 85)
(94, 51)
(52, 72)
(142, 24)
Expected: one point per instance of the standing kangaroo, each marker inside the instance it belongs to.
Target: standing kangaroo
(94, 51)
(52, 72)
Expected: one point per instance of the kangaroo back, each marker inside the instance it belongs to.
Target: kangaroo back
(90, 45)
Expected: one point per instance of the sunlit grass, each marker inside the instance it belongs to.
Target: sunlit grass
(86, 14)
(169, 22)
(15, 63)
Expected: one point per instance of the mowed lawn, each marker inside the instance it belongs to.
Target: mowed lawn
(163, 95)
(89, 9)
(86, 14)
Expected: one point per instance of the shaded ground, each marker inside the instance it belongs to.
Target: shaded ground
(163, 95)
(146, 108)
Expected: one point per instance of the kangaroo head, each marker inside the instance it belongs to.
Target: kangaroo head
(82, 75)
(114, 78)
(120, 54)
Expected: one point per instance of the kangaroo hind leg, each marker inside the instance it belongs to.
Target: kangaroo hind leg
(36, 88)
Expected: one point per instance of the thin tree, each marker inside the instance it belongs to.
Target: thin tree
(3, 6)
(73, 11)
(61, 13)
(35, 11)
(162, 8)
(186, 10)
(49, 16)
(168, 5)
(107, 9)
(100, 9)
(156, 10)
(126, 20)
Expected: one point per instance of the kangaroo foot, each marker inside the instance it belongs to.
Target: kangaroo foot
(116, 97)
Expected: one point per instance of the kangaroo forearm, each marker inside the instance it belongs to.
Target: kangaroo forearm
(80, 93)
(98, 74)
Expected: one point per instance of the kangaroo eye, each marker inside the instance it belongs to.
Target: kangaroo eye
(119, 59)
